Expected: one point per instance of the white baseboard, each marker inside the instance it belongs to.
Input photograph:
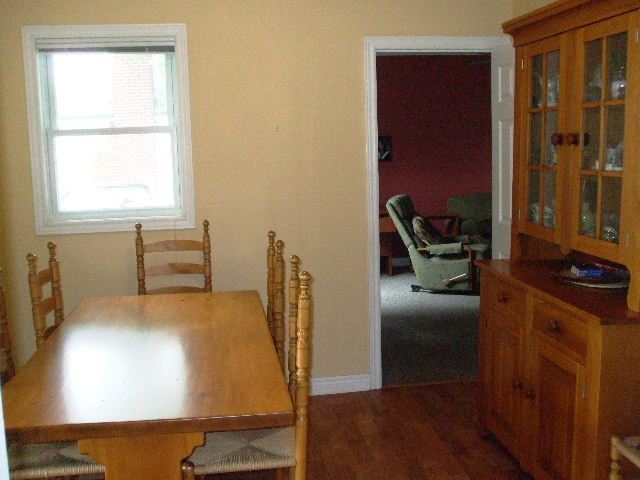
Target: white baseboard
(346, 384)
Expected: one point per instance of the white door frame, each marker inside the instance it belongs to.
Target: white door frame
(405, 45)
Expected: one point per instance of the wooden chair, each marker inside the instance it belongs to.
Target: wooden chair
(282, 449)
(41, 307)
(38, 460)
(174, 268)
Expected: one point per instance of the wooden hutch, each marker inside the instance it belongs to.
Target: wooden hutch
(558, 361)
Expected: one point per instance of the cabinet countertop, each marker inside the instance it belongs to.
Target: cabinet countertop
(606, 306)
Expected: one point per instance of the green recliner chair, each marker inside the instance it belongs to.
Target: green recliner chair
(441, 263)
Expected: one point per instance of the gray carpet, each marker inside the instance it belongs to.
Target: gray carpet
(426, 337)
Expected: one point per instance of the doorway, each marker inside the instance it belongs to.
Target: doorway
(502, 118)
(435, 109)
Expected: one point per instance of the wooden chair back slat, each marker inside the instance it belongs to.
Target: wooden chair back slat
(176, 289)
(173, 246)
(7, 367)
(44, 276)
(41, 306)
(174, 268)
(48, 305)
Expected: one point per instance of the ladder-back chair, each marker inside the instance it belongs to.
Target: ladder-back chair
(38, 460)
(40, 306)
(282, 449)
(174, 268)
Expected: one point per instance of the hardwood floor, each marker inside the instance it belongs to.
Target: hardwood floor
(415, 432)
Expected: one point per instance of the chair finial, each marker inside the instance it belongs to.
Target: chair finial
(52, 251)
(305, 278)
(33, 263)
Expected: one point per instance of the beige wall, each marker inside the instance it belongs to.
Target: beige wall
(520, 7)
(278, 123)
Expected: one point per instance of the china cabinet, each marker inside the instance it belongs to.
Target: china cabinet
(576, 172)
(557, 360)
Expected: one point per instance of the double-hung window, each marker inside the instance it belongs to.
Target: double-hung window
(109, 127)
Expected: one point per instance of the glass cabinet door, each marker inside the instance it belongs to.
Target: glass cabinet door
(602, 140)
(544, 138)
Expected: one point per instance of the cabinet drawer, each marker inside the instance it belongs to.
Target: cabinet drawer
(503, 297)
(564, 327)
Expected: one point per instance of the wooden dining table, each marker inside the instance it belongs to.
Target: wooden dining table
(138, 380)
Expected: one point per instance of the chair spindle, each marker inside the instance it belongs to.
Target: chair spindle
(278, 302)
(294, 289)
(302, 376)
(271, 260)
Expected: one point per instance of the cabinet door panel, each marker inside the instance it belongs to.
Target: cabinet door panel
(556, 405)
(503, 382)
(541, 150)
(602, 53)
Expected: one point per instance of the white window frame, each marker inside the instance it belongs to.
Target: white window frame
(47, 222)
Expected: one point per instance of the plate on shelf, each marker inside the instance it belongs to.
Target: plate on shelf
(609, 280)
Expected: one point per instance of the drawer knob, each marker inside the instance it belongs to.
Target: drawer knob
(517, 384)
(502, 298)
(554, 326)
(530, 394)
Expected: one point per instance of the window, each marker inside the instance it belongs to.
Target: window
(109, 127)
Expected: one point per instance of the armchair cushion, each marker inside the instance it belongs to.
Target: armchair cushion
(445, 249)
(426, 231)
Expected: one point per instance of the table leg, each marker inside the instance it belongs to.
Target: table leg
(144, 457)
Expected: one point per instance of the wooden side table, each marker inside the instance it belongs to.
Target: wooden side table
(629, 448)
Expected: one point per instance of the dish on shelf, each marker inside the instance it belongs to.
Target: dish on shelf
(607, 280)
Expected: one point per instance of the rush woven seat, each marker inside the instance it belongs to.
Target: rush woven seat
(245, 450)
(46, 460)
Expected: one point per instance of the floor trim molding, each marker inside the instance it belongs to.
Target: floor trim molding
(345, 384)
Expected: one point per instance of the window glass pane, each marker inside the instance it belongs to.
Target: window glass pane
(611, 194)
(108, 90)
(615, 138)
(535, 132)
(536, 81)
(549, 217)
(591, 139)
(113, 172)
(551, 128)
(553, 78)
(534, 196)
(617, 60)
(589, 195)
(593, 71)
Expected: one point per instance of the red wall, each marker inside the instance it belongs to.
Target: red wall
(437, 109)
